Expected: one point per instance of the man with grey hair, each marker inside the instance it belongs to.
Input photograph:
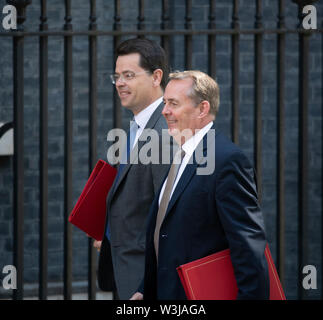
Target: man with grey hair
(194, 215)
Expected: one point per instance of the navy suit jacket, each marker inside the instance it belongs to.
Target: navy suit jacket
(207, 214)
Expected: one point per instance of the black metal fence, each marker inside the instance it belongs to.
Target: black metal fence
(165, 33)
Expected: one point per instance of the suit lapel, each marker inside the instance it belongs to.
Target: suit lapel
(135, 151)
(186, 177)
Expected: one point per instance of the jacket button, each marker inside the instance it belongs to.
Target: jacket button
(164, 236)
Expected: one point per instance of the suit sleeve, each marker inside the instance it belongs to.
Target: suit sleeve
(141, 287)
(242, 221)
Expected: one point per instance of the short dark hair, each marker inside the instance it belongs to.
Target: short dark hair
(152, 55)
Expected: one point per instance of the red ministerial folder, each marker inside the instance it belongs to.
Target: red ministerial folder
(90, 210)
(212, 278)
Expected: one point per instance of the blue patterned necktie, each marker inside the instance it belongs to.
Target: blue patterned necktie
(130, 141)
(125, 157)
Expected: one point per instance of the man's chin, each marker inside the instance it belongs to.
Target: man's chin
(126, 104)
(176, 134)
(173, 131)
(180, 136)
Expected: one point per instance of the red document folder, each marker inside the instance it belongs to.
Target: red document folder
(90, 210)
(212, 278)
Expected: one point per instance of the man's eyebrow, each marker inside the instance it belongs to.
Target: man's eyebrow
(126, 71)
(171, 100)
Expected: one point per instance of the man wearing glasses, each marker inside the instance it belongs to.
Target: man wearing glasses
(140, 77)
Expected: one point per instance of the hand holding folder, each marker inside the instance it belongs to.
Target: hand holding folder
(90, 210)
(212, 278)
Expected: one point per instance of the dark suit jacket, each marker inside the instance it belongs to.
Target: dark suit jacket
(207, 214)
(128, 204)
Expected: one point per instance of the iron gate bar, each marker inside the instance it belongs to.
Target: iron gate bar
(43, 155)
(280, 220)
(193, 32)
(258, 100)
(18, 78)
(303, 157)
(92, 138)
(165, 25)
(235, 74)
(18, 158)
(212, 41)
(141, 16)
(188, 37)
(68, 131)
(117, 111)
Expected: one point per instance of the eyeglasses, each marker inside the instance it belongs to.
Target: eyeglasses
(125, 76)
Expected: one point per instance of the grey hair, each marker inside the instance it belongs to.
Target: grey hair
(203, 88)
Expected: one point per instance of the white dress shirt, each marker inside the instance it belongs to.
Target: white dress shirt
(143, 117)
(189, 147)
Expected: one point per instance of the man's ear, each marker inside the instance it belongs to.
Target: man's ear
(157, 77)
(204, 107)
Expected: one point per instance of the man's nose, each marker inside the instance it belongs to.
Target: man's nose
(165, 109)
(120, 82)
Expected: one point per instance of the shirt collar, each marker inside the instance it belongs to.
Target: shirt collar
(143, 116)
(190, 145)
